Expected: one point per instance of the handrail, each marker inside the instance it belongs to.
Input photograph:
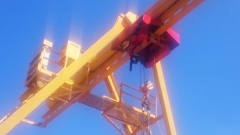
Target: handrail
(154, 103)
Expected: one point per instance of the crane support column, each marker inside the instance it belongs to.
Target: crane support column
(114, 93)
(112, 87)
(164, 101)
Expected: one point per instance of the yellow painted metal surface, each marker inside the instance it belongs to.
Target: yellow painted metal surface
(112, 87)
(114, 93)
(112, 59)
(100, 61)
(56, 82)
(176, 12)
(69, 53)
(164, 101)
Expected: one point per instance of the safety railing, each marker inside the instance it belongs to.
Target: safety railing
(136, 94)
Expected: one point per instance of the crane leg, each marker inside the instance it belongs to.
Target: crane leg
(114, 93)
(164, 101)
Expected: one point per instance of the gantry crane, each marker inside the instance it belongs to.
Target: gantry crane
(145, 39)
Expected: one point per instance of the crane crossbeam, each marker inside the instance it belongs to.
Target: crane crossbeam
(60, 79)
(168, 12)
(74, 82)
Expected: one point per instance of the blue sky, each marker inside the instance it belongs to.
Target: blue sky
(202, 74)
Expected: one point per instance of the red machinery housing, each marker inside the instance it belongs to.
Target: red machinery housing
(142, 45)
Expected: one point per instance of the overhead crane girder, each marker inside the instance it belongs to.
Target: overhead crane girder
(61, 78)
(97, 69)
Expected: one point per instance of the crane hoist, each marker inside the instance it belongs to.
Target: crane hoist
(69, 79)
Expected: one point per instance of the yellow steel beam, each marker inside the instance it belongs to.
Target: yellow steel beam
(115, 125)
(107, 68)
(170, 11)
(162, 8)
(114, 93)
(112, 87)
(113, 63)
(164, 101)
(175, 13)
(56, 82)
(169, 18)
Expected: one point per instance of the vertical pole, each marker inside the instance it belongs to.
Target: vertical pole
(164, 101)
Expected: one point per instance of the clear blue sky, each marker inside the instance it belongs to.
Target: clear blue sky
(202, 74)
